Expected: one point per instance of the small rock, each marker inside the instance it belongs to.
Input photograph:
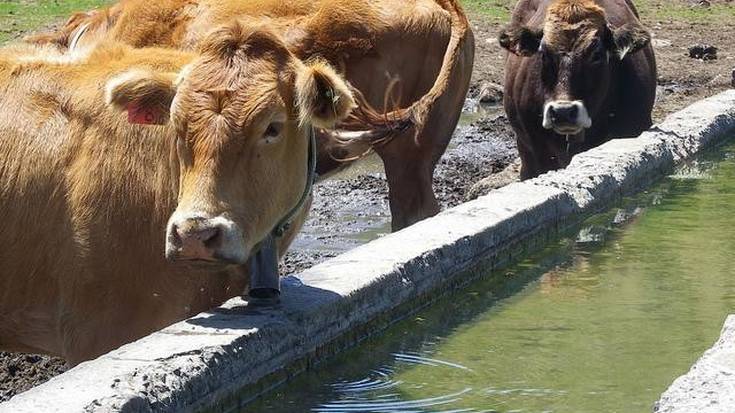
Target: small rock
(703, 51)
(490, 93)
(732, 82)
(700, 3)
(507, 176)
(33, 358)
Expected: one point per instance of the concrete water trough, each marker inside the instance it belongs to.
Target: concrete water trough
(709, 387)
(220, 360)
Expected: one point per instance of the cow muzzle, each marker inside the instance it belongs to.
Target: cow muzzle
(215, 240)
(566, 117)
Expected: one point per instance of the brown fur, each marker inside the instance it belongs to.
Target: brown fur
(567, 19)
(85, 196)
(426, 45)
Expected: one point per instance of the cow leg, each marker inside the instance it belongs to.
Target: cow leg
(546, 156)
(410, 189)
(410, 159)
(530, 167)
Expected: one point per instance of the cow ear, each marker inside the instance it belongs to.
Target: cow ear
(521, 40)
(322, 96)
(146, 96)
(629, 38)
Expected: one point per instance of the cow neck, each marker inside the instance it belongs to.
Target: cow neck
(285, 223)
(264, 277)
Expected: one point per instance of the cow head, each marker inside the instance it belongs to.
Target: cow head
(577, 49)
(242, 112)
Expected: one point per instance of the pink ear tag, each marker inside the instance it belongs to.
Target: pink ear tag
(141, 115)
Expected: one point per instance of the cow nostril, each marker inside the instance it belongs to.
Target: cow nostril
(202, 240)
(208, 237)
(573, 111)
(177, 236)
(552, 111)
(211, 237)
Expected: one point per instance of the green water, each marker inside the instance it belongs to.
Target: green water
(601, 321)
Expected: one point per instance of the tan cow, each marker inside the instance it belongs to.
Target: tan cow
(426, 45)
(134, 182)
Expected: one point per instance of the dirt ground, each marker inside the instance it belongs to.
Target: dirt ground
(20, 372)
(353, 208)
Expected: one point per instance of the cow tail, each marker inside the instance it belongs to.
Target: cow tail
(386, 125)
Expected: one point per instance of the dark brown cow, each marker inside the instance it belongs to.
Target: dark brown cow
(579, 72)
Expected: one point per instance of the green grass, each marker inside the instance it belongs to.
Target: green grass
(651, 10)
(493, 9)
(682, 11)
(21, 16)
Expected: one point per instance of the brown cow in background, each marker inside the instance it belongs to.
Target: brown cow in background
(579, 72)
(426, 45)
(135, 182)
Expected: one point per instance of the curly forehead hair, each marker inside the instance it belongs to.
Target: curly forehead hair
(575, 11)
(572, 22)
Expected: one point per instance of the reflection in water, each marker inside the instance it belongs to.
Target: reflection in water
(601, 321)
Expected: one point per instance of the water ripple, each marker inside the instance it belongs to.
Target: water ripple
(380, 406)
(416, 359)
(378, 393)
(365, 385)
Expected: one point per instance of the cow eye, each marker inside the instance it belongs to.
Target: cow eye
(273, 130)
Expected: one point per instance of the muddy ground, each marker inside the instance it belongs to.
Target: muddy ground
(352, 208)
